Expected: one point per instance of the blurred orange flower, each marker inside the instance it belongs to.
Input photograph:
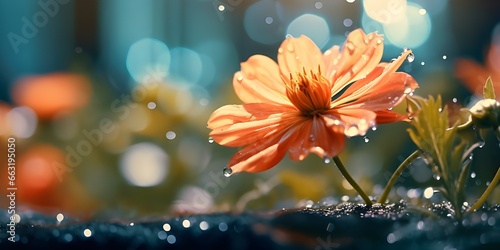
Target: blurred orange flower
(309, 100)
(475, 75)
(53, 93)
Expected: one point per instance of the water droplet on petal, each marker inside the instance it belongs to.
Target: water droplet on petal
(311, 138)
(393, 60)
(350, 46)
(408, 90)
(379, 41)
(366, 139)
(410, 58)
(326, 159)
(352, 131)
(280, 50)
(227, 172)
(210, 140)
(374, 128)
(239, 77)
(290, 47)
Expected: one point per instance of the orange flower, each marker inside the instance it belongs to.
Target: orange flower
(309, 100)
(474, 74)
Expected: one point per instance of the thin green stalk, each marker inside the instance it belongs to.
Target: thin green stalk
(351, 181)
(486, 193)
(397, 173)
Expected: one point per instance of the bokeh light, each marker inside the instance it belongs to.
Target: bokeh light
(48, 95)
(146, 55)
(144, 164)
(411, 31)
(313, 26)
(186, 64)
(262, 22)
(22, 121)
(385, 11)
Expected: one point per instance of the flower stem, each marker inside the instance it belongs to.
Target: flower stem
(351, 181)
(486, 193)
(397, 173)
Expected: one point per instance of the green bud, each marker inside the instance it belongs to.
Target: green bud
(486, 114)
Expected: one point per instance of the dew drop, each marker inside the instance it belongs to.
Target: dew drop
(374, 128)
(379, 41)
(440, 110)
(280, 50)
(473, 175)
(239, 77)
(454, 100)
(311, 138)
(408, 90)
(366, 139)
(422, 63)
(410, 58)
(326, 159)
(227, 172)
(352, 131)
(393, 60)
(350, 46)
(436, 177)
(444, 57)
(210, 140)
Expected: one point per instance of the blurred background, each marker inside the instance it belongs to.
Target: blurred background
(108, 100)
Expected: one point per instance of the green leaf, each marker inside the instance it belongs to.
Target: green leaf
(488, 90)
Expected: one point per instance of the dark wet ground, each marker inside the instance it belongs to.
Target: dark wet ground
(344, 226)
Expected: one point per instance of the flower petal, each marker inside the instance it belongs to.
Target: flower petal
(297, 54)
(261, 155)
(385, 94)
(356, 121)
(359, 56)
(319, 136)
(239, 125)
(387, 116)
(381, 79)
(259, 81)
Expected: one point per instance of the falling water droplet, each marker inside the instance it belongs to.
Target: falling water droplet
(440, 110)
(366, 139)
(455, 100)
(326, 159)
(330, 227)
(227, 172)
(473, 175)
(210, 140)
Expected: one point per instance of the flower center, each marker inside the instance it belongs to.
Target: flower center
(309, 92)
